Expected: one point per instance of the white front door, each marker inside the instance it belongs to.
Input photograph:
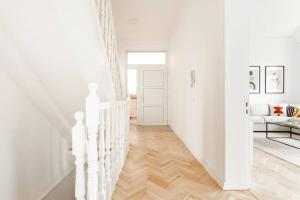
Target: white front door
(152, 96)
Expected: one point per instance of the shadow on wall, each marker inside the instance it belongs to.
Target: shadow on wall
(36, 156)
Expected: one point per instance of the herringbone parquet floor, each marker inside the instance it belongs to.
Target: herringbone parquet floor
(160, 167)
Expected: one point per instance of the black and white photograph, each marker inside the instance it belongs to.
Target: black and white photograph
(274, 79)
(254, 80)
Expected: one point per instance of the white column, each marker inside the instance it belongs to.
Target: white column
(107, 153)
(92, 122)
(102, 188)
(78, 150)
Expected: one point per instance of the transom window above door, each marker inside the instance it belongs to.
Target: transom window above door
(146, 58)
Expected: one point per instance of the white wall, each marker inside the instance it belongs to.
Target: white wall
(274, 18)
(276, 52)
(294, 94)
(271, 43)
(46, 52)
(237, 123)
(196, 114)
(34, 156)
(211, 37)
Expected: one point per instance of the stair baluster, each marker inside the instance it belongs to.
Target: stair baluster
(105, 156)
(78, 150)
(102, 189)
(107, 152)
(92, 123)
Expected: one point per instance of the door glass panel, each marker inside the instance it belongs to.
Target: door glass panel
(148, 58)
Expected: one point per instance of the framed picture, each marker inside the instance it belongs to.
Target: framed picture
(274, 78)
(254, 80)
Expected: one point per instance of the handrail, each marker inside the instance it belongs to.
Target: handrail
(106, 22)
(101, 141)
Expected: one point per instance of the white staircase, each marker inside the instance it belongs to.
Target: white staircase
(101, 142)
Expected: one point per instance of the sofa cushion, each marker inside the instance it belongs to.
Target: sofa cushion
(258, 119)
(259, 110)
(292, 119)
(278, 109)
(276, 119)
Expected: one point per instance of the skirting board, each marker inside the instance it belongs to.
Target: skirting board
(45, 194)
(235, 187)
(153, 124)
(209, 170)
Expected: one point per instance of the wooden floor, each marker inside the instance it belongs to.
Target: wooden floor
(160, 167)
(274, 179)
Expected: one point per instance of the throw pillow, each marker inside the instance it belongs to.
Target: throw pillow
(296, 112)
(278, 110)
(290, 111)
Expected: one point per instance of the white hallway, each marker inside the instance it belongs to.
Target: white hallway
(50, 51)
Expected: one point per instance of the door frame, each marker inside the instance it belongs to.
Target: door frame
(139, 70)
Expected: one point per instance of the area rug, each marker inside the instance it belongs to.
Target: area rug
(284, 152)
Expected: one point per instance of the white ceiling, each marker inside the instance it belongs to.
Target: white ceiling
(145, 19)
(274, 18)
(154, 19)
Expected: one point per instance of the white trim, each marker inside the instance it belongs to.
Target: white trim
(153, 123)
(211, 172)
(140, 90)
(220, 181)
(238, 187)
(56, 184)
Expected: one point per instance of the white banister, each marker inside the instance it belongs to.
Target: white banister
(122, 133)
(113, 146)
(103, 139)
(118, 138)
(107, 153)
(92, 122)
(78, 150)
(127, 125)
(102, 189)
(108, 35)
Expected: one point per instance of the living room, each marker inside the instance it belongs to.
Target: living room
(274, 49)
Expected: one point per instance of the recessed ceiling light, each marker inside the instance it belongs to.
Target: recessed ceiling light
(133, 21)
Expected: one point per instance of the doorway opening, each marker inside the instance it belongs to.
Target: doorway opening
(147, 87)
(132, 91)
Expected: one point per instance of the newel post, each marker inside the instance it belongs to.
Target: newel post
(78, 150)
(92, 122)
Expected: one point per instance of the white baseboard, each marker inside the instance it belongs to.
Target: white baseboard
(153, 123)
(206, 166)
(230, 187)
(212, 173)
(44, 195)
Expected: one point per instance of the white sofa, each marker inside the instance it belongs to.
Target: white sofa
(260, 114)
